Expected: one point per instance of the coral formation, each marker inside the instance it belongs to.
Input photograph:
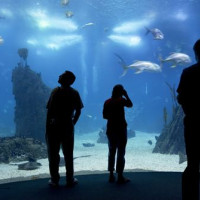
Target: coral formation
(23, 53)
(165, 115)
(171, 140)
(32, 164)
(31, 96)
(88, 144)
(103, 137)
(15, 149)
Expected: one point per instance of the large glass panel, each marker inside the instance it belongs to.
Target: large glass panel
(97, 40)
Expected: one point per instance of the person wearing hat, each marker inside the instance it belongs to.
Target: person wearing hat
(63, 111)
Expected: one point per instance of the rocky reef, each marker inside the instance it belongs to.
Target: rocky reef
(171, 140)
(16, 149)
(31, 96)
(103, 137)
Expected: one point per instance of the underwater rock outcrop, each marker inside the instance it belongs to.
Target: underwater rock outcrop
(31, 96)
(171, 140)
(32, 164)
(103, 137)
(16, 149)
(88, 144)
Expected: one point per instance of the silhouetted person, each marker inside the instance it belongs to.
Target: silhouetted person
(188, 96)
(64, 108)
(113, 111)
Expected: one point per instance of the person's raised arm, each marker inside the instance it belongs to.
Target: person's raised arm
(128, 100)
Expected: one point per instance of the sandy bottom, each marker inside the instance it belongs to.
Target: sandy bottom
(139, 156)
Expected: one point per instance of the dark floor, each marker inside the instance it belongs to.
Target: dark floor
(143, 186)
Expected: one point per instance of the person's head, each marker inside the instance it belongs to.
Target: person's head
(117, 91)
(196, 49)
(67, 78)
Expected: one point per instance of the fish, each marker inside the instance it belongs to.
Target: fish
(88, 24)
(1, 40)
(32, 164)
(62, 159)
(139, 66)
(150, 142)
(177, 59)
(69, 14)
(89, 116)
(64, 2)
(88, 144)
(157, 34)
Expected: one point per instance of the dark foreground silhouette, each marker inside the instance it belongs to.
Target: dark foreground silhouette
(189, 98)
(113, 111)
(64, 108)
(143, 186)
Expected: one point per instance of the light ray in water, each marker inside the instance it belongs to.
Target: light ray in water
(129, 40)
(130, 27)
(55, 42)
(44, 20)
(146, 89)
(94, 78)
(84, 69)
(4, 12)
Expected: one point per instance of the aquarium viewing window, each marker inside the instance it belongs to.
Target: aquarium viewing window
(143, 45)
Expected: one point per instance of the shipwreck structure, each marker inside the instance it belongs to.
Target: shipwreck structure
(171, 139)
(31, 96)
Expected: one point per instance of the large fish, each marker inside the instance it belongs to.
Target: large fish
(64, 2)
(177, 59)
(139, 66)
(1, 40)
(157, 34)
(88, 24)
(69, 14)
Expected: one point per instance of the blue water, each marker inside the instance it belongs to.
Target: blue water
(57, 43)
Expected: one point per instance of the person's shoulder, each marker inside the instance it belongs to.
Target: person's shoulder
(74, 91)
(55, 90)
(192, 68)
(108, 101)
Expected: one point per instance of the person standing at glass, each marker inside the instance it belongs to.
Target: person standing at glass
(113, 111)
(63, 111)
(189, 98)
